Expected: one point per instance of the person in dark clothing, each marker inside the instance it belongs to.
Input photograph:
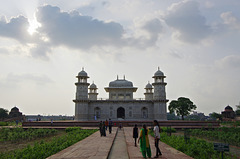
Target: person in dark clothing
(100, 128)
(135, 134)
(110, 124)
(120, 126)
(103, 129)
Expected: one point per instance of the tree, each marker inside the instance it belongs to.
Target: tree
(182, 106)
(3, 113)
(193, 117)
(216, 116)
(238, 109)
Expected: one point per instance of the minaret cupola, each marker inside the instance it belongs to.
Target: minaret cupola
(92, 95)
(82, 76)
(149, 93)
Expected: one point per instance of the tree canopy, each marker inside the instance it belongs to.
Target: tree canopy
(182, 106)
(216, 116)
(3, 113)
(238, 110)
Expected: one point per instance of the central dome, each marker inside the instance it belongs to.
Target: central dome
(121, 83)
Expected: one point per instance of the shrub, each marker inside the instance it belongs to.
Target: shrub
(196, 148)
(72, 129)
(167, 129)
(223, 134)
(2, 123)
(16, 134)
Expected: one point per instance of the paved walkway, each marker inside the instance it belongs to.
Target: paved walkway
(92, 147)
(96, 147)
(119, 148)
(167, 151)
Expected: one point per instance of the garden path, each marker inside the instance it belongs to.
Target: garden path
(167, 151)
(92, 147)
(96, 147)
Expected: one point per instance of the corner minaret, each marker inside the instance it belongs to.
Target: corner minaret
(81, 102)
(159, 96)
(92, 95)
(159, 86)
(148, 94)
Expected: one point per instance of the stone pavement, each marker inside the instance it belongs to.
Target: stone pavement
(167, 151)
(96, 147)
(92, 147)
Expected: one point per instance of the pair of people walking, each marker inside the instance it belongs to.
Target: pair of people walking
(144, 140)
(103, 127)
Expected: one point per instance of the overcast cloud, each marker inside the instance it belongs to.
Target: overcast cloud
(185, 17)
(43, 47)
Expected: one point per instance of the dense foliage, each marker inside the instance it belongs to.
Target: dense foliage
(72, 129)
(196, 148)
(167, 129)
(238, 110)
(3, 113)
(223, 134)
(231, 123)
(215, 116)
(45, 149)
(9, 123)
(182, 106)
(2, 123)
(16, 134)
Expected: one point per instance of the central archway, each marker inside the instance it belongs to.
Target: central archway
(121, 113)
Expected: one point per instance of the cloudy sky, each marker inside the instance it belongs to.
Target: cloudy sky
(44, 44)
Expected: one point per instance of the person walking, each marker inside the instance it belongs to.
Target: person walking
(106, 124)
(156, 130)
(144, 142)
(135, 134)
(100, 128)
(110, 124)
(120, 126)
(103, 129)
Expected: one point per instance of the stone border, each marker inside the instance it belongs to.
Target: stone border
(112, 143)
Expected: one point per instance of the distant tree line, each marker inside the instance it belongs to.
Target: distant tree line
(183, 106)
(3, 113)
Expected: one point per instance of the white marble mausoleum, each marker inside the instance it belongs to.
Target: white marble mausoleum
(120, 105)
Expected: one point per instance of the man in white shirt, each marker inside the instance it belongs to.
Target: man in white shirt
(156, 130)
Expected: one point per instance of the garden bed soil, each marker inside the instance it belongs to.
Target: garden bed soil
(8, 146)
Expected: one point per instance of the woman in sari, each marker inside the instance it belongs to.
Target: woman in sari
(144, 142)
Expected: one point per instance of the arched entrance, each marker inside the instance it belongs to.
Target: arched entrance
(144, 112)
(121, 113)
(97, 112)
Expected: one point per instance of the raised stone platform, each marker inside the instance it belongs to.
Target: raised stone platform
(178, 124)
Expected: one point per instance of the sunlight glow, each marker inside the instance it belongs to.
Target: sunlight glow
(33, 25)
